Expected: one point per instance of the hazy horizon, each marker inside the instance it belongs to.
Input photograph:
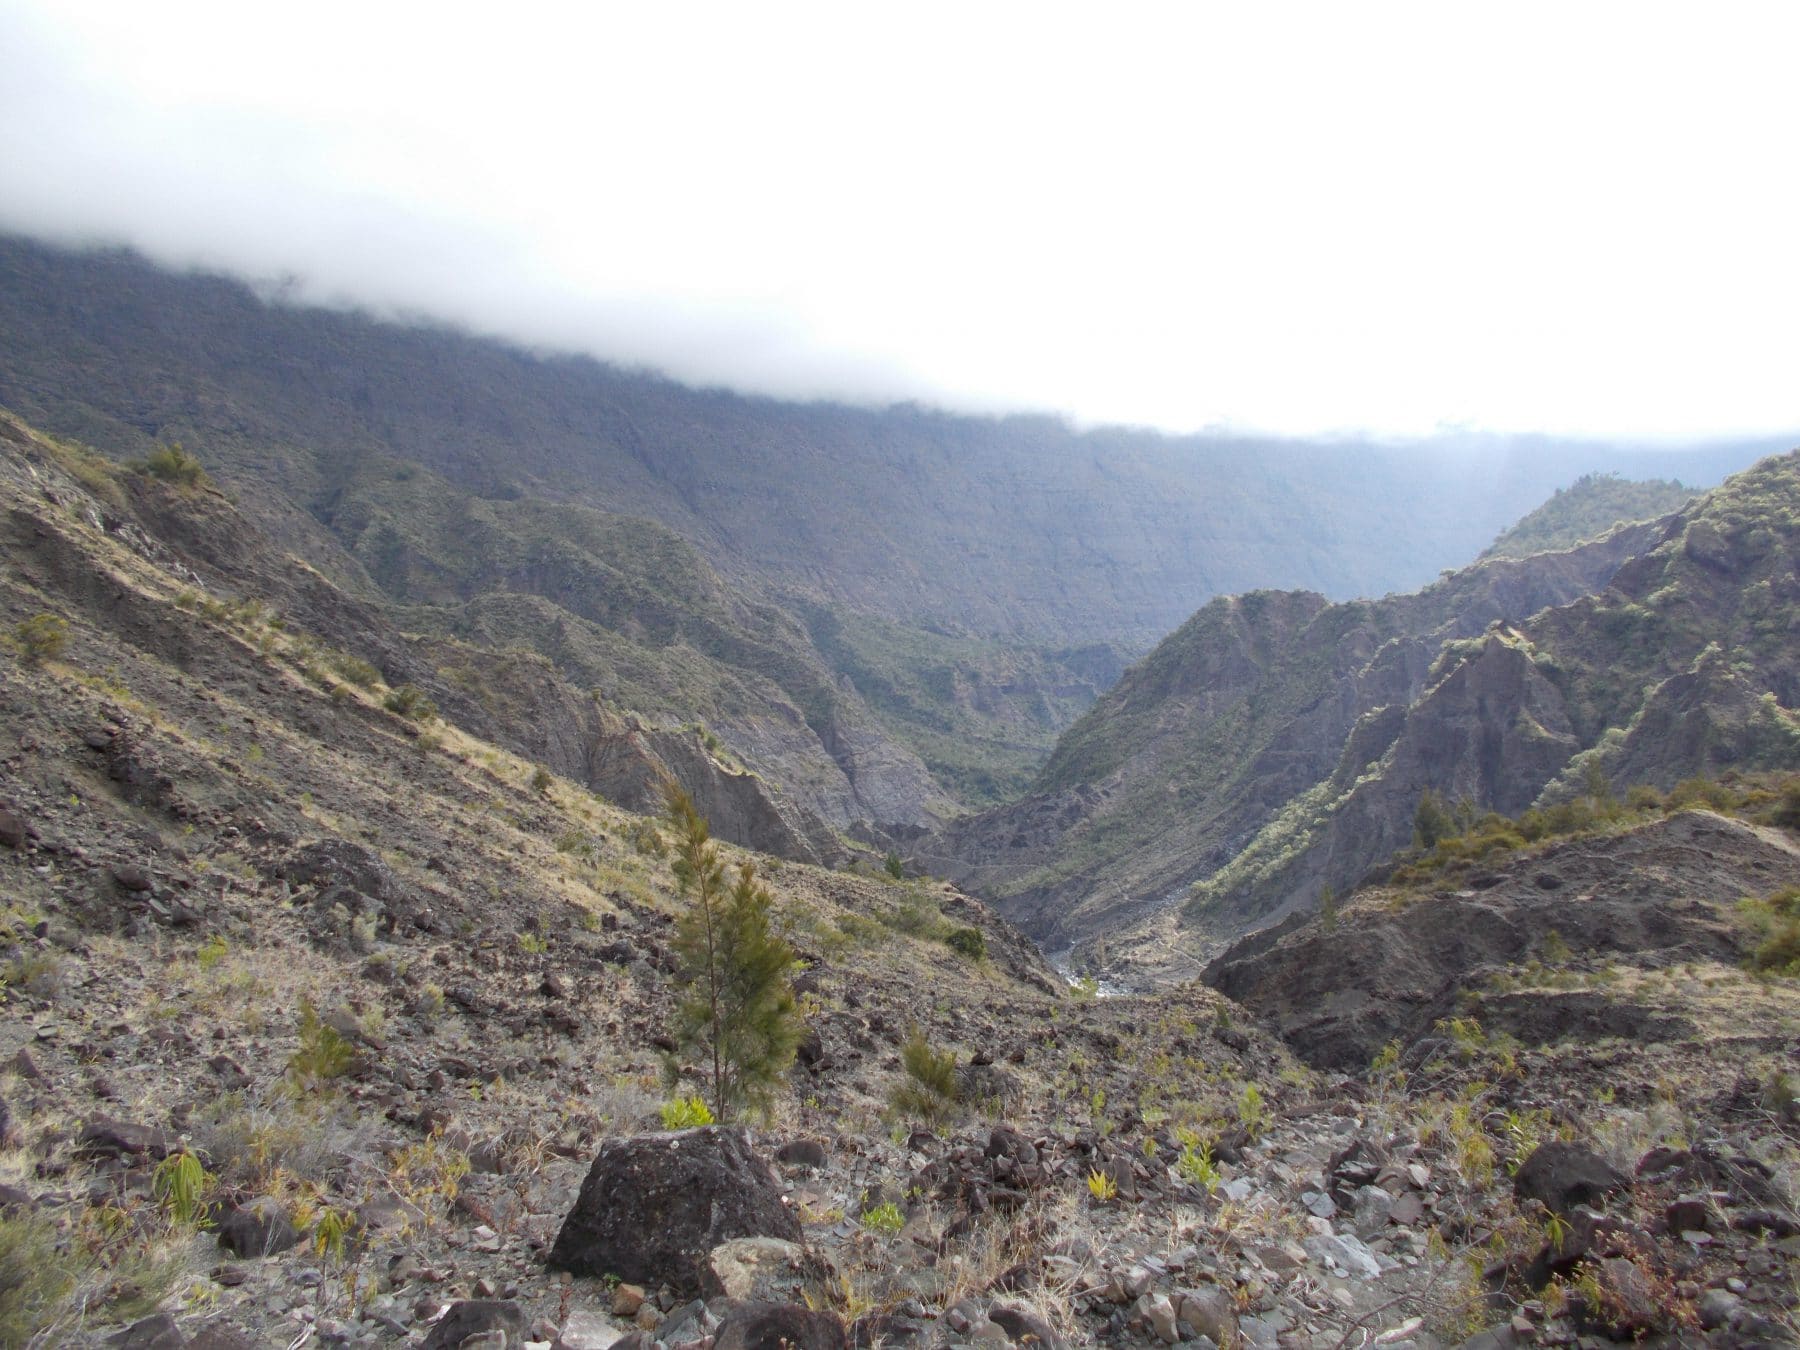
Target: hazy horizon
(1396, 224)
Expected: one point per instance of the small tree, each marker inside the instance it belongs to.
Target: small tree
(1431, 821)
(737, 1008)
(174, 465)
(1328, 909)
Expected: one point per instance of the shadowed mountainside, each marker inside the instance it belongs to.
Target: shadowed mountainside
(890, 613)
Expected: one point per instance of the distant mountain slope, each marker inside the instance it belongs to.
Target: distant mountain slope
(1232, 718)
(1687, 663)
(1590, 506)
(986, 527)
(1277, 745)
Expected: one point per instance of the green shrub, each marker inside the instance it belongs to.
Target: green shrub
(1251, 1112)
(41, 638)
(884, 1218)
(895, 868)
(181, 1184)
(1775, 920)
(1787, 813)
(323, 1055)
(172, 464)
(354, 669)
(917, 913)
(969, 942)
(410, 701)
(736, 1006)
(929, 1091)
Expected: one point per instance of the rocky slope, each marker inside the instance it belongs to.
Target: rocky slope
(396, 992)
(1396, 963)
(1276, 747)
(1682, 665)
(1240, 712)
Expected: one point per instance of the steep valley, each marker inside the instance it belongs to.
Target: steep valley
(1437, 956)
(888, 614)
(392, 987)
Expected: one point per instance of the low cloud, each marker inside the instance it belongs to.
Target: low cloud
(1129, 226)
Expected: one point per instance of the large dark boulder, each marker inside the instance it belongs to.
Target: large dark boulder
(654, 1205)
(1561, 1176)
(779, 1326)
(260, 1228)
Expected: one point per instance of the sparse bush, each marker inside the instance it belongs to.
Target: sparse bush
(969, 942)
(41, 638)
(180, 1184)
(895, 868)
(429, 1173)
(1775, 920)
(684, 1113)
(35, 1276)
(541, 780)
(412, 702)
(323, 1055)
(648, 840)
(39, 974)
(171, 464)
(929, 1090)
(354, 669)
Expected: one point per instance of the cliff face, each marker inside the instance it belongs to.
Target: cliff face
(1683, 665)
(1257, 707)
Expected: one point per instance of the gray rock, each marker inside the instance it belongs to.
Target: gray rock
(758, 1270)
(475, 1317)
(588, 1331)
(1319, 1205)
(1718, 1308)
(1159, 1313)
(1209, 1313)
(156, 1332)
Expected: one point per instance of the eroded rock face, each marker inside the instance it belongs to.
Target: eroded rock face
(655, 1205)
(629, 764)
(1338, 997)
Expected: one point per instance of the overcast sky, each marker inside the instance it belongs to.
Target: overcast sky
(1578, 218)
